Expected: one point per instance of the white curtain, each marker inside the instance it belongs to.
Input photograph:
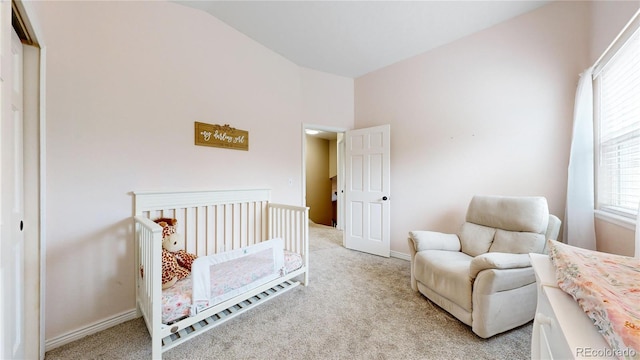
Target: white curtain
(579, 229)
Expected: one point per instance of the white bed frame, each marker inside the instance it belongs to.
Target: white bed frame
(211, 222)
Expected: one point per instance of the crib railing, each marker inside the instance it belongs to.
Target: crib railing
(211, 222)
(149, 276)
(291, 223)
(284, 221)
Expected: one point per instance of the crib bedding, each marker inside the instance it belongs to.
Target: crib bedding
(225, 283)
(607, 288)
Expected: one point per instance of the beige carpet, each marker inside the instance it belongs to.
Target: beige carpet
(357, 306)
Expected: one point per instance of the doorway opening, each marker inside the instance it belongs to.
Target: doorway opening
(363, 173)
(322, 170)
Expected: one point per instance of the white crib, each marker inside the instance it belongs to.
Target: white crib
(212, 222)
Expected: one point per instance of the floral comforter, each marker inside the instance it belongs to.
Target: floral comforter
(607, 287)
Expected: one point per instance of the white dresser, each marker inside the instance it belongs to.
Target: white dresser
(561, 329)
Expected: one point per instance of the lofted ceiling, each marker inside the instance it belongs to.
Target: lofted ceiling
(353, 38)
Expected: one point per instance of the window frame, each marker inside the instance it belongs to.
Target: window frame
(612, 213)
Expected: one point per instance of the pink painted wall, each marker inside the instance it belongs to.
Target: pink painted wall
(125, 83)
(488, 114)
(327, 99)
(608, 18)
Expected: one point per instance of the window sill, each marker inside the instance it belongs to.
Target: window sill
(622, 221)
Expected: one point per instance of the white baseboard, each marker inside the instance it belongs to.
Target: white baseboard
(96, 327)
(400, 255)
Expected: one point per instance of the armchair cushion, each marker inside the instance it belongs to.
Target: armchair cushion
(526, 213)
(495, 281)
(517, 242)
(475, 239)
(446, 273)
(432, 240)
(497, 260)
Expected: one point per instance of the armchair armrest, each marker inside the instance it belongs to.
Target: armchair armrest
(497, 260)
(431, 240)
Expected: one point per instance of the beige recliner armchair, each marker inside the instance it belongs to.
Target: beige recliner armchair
(482, 275)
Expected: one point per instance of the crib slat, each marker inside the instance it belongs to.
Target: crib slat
(168, 341)
(197, 326)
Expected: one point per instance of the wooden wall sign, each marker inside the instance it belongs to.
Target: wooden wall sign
(223, 136)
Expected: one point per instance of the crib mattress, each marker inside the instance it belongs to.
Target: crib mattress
(607, 287)
(176, 301)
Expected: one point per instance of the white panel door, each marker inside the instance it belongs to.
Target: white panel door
(367, 190)
(11, 191)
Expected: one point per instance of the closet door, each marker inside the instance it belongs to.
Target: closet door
(12, 191)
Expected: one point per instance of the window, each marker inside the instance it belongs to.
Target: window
(617, 111)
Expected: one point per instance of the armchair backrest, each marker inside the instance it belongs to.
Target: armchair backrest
(511, 224)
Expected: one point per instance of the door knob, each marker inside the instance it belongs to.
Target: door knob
(384, 198)
(21, 225)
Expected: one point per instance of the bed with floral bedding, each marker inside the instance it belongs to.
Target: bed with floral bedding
(607, 288)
